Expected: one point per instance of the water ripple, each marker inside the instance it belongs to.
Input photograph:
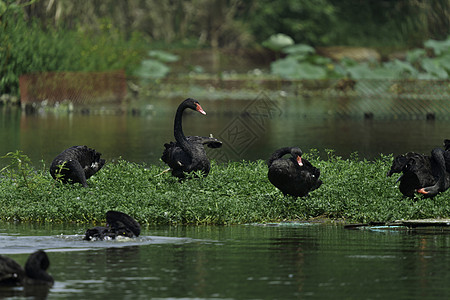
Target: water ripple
(13, 244)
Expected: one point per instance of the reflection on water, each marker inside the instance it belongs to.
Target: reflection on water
(140, 138)
(242, 262)
(15, 244)
(31, 292)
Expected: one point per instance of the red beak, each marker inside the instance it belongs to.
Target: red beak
(200, 109)
(422, 191)
(299, 161)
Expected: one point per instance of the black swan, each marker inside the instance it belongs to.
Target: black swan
(118, 224)
(292, 176)
(35, 272)
(428, 175)
(188, 154)
(76, 164)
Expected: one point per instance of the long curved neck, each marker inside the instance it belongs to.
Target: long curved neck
(279, 154)
(40, 275)
(178, 131)
(36, 266)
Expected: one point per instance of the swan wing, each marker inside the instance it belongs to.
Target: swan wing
(204, 140)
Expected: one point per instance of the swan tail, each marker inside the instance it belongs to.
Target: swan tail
(90, 160)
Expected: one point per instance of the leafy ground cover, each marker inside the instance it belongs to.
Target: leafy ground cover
(354, 190)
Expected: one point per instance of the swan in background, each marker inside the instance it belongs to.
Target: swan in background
(293, 176)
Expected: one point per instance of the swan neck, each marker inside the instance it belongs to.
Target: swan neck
(178, 130)
(279, 154)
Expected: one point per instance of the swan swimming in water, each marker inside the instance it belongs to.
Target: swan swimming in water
(118, 224)
(35, 272)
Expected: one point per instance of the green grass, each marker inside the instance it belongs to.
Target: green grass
(353, 190)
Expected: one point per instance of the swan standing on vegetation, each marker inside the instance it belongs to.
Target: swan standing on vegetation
(76, 164)
(188, 154)
(428, 175)
(292, 176)
(118, 224)
(35, 273)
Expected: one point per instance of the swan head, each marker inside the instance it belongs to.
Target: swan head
(398, 165)
(297, 155)
(194, 105)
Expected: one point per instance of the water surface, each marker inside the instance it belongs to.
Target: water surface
(307, 123)
(287, 261)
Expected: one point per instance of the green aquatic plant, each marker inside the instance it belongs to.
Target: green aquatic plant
(278, 41)
(439, 47)
(20, 170)
(58, 172)
(302, 62)
(353, 190)
(155, 66)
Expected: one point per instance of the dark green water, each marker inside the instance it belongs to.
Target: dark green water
(238, 262)
(235, 262)
(140, 138)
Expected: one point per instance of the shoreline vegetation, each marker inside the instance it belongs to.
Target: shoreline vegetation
(353, 190)
(286, 40)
